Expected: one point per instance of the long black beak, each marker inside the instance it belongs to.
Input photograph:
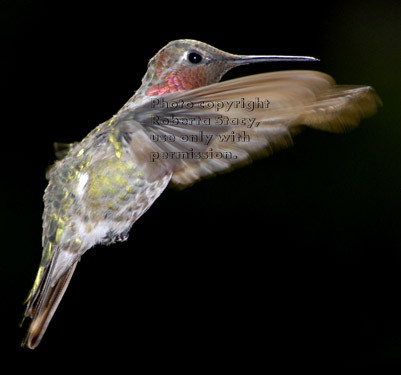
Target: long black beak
(268, 58)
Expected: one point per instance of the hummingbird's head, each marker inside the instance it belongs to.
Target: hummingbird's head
(187, 64)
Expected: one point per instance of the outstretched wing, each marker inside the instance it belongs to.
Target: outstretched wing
(212, 129)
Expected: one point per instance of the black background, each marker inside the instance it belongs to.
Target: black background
(293, 261)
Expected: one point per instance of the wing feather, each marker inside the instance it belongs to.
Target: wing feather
(214, 128)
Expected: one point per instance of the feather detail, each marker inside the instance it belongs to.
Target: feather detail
(44, 300)
(212, 129)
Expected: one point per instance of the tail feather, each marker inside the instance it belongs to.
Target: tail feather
(43, 303)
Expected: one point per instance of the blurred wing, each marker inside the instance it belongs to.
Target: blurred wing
(215, 128)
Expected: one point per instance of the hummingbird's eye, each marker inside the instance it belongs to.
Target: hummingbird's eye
(194, 57)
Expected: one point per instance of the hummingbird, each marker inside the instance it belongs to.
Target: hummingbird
(180, 126)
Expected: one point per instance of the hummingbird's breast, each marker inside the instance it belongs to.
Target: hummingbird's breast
(95, 194)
